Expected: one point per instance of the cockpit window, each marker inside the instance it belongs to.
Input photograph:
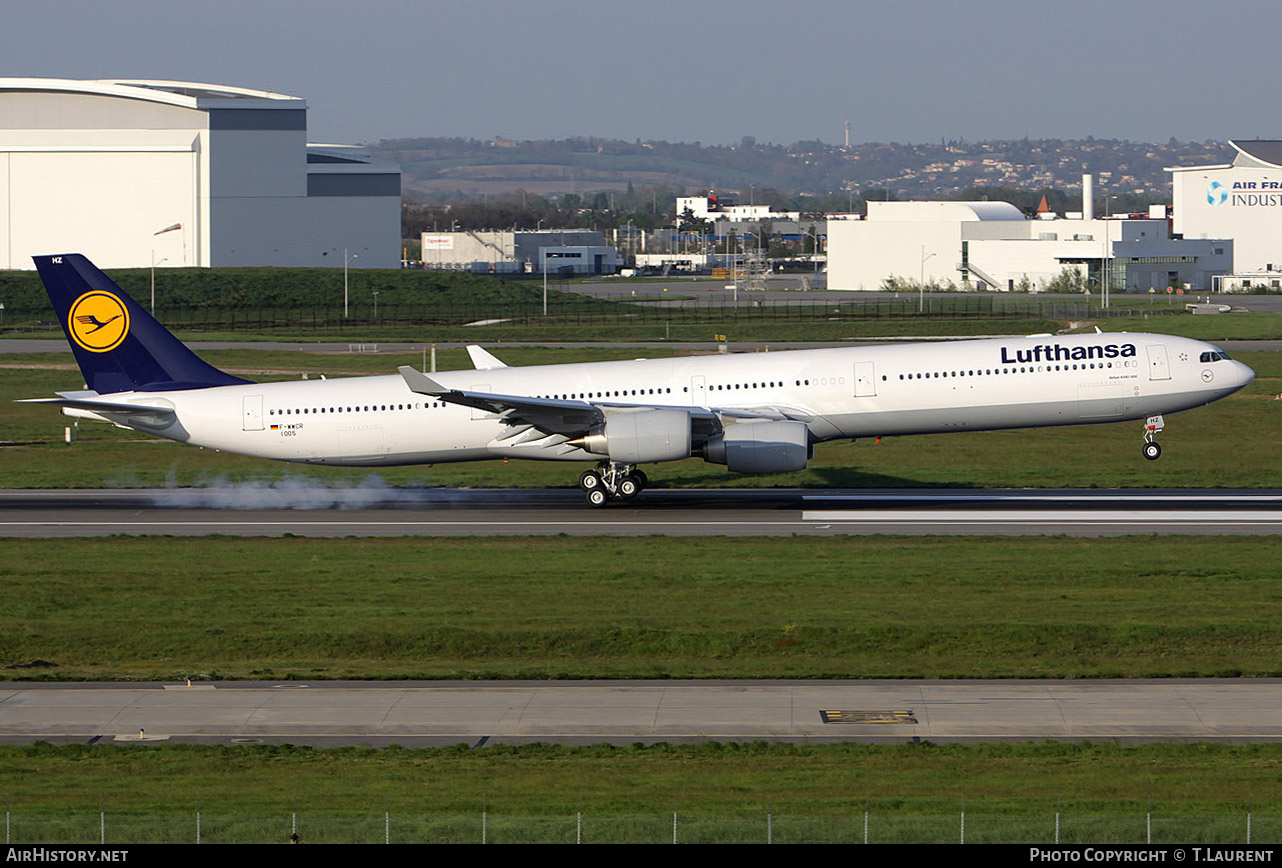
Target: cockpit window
(1214, 356)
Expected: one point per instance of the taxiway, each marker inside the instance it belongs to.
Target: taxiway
(437, 713)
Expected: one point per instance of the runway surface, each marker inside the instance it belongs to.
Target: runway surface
(253, 510)
(436, 713)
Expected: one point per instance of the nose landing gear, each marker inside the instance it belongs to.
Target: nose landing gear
(612, 480)
(1152, 427)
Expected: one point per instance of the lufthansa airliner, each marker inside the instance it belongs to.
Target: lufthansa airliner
(753, 413)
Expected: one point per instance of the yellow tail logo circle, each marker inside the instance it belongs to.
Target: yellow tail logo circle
(98, 321)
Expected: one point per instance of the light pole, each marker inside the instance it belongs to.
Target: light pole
(154, 263)
(376, 304)
(173, 227)
(346, 260)
(757, 243)
(170, 228)
(921, 286)
(1108, 262)
(545, 281)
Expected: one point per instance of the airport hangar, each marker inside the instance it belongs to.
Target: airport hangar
(1241, 200)
(135, 173)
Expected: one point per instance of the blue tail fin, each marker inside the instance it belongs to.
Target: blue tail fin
(118, 345)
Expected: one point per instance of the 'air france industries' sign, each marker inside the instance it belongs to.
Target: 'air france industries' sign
(1250, 194)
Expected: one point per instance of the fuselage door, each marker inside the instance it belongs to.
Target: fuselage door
(698, 392)
(865, 380)
(251, 413)
(1159, 367)
(477, 412)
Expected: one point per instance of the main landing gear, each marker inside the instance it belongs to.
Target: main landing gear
(612, 481)
(1153, 426)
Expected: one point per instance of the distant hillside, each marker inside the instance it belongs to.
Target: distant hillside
(437, 168)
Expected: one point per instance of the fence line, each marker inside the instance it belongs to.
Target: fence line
(591, 312)
(686, 826)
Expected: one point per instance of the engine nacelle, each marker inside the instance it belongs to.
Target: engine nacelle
(642, 436)
(761, 447)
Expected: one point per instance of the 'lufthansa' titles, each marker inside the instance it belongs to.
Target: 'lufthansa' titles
(1061, 353)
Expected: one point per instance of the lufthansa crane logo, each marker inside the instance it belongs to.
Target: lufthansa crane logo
(98, 321)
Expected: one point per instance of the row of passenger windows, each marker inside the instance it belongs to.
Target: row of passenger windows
(574, 396)
(617, 393)
(727, 387)
(373, 408)
(716, 387)
(1022, 369)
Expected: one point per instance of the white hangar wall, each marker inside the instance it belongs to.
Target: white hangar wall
(59, 202)
(101, 167)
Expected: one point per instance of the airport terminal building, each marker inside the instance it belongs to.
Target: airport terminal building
(132, 173)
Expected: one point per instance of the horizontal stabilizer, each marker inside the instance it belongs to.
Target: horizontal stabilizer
(150, 415)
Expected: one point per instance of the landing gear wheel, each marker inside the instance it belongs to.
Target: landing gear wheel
(1152, 451)
(629, 487)
(641, 478)
(590, 480)
(597, 497)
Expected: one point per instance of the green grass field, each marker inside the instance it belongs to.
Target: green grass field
(720, 793)
(796, 607)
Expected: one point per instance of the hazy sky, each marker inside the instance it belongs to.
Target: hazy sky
(697, 70)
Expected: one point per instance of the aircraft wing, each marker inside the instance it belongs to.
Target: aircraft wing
(555, 417)
(572, 418)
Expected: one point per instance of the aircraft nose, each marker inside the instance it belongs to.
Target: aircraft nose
(1244, 374)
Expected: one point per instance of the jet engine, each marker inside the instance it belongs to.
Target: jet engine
(760, 447)
(641, 437)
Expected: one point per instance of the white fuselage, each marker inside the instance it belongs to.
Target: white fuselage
(839, 393)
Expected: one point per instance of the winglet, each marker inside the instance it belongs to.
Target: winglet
(483, 360)
(420, 382)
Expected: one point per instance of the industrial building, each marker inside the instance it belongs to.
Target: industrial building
(992, 245)
(715, 209)
(134, 173)
(1241, 200)
(741, 221)
(556, 251)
